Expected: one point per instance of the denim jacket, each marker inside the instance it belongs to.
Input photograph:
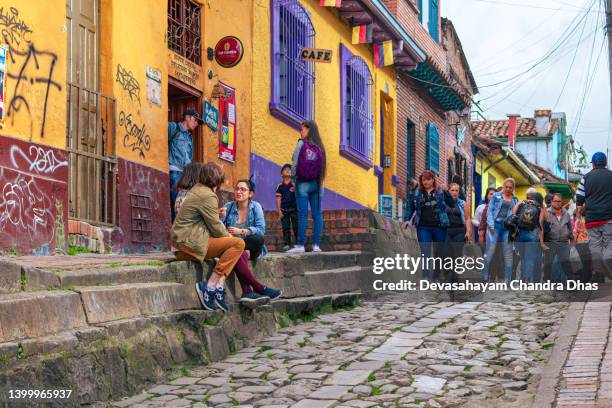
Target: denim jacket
(443, 199)
(180, 147)
(256, 221)
(495, 206)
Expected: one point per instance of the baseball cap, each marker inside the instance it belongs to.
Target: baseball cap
(194, 113)
(599, 158)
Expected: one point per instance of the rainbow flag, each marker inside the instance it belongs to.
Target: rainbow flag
(362, 34)
(383, 53)
(331, 3)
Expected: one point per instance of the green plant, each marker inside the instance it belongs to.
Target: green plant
(263, 349)
(387, 365)
(547, 346)
(185, 372)
(467, 368)
(269, 355)
(376, 391)
(301, 343)
(75, 250)
(493, 327)
(11, 251)
(23, 281)
(434, 331)
(20, 354)
(417, 401)
(264, 376)
(5, 360)
(371, 377)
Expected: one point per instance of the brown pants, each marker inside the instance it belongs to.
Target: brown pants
(227, 249)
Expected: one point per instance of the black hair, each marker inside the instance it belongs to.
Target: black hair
(248, 182)
(285, 166)
(486, 197)
(537, 197)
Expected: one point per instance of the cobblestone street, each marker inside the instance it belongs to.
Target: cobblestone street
(387, 352)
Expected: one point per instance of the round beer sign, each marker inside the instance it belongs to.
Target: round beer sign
(229, 51)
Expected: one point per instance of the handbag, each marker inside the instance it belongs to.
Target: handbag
(511, 222)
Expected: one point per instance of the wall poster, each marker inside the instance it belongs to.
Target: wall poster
(3, 70)
(228, 133)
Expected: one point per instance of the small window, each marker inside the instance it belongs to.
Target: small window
(432, 148)
(357, 87)
(293, 80)
(184, 31)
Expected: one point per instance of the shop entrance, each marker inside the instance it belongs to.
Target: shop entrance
(181, 98)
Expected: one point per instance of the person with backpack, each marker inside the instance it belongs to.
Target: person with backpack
(180, 149)
(500, 208)
(529, 217)
(558, 240)
(429, 206)
(594, 200)
(308, 170)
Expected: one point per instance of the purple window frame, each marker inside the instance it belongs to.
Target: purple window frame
(293, 106)
(359, 148)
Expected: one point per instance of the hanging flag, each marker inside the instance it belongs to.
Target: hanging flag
(362, 34)
(383, 53)
(331, 3)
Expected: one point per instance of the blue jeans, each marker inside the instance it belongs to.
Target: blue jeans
(427, 236)
(528, 246)
(175, 176)
(499, 233)
(309, 192)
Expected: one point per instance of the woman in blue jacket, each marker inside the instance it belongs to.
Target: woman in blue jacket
(500, 207)
(429, 208)
(244, 218)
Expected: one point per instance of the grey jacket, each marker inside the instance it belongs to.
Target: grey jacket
(560, 229)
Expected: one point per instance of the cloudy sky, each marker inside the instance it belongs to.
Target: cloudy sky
(557, 41)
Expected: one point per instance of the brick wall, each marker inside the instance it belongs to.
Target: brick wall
(416, 105)
(408, 16)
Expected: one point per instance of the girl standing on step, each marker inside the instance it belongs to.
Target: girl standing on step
(308, 170)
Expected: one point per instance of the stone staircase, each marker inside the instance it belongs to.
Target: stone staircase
(108, 325)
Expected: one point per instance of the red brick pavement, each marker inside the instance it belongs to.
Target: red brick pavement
(586, 379)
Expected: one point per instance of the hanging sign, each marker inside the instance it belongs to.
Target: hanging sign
(211, 116)
(184, 70)
(229, 51)
(2, 80)
(317, 55)
(227, 130)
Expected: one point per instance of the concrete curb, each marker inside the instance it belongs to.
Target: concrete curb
(547, 389)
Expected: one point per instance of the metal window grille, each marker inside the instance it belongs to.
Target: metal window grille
(184, 30)
(90, 141)
(359, 107)
(296, 77)
(142, 221)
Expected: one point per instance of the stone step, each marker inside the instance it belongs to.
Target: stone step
(35, 314)
(337, 280)
(110, 303)
(300, 305)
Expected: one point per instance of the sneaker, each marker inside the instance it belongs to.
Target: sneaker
(207, 297)
(298, 249)
(316, 248)
(271, 293)
(220, 300)
(252, 300)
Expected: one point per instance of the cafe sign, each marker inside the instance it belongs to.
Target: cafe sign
(229, 51)
(184, 70)
(316, 55)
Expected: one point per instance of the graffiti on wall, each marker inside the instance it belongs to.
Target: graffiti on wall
(135, 137)
(33, 180)
(31, 68)
(13, 28)
(128, 83)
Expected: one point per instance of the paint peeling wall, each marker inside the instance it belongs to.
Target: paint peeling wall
(274, 142)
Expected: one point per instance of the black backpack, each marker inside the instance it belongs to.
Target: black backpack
(528, 215)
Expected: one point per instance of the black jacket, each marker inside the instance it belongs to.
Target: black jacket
(595, 190)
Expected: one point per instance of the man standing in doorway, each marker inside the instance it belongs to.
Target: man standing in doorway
(180, 149)
(594, 199)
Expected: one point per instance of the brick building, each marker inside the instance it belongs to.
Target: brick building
(434, 99)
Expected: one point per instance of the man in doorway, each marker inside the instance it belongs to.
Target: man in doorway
(180, 149)
(594, 200)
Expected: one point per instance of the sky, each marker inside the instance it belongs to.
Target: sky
(557, 42)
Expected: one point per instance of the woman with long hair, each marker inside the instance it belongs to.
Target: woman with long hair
(500, 208)
(308, 170)
(199, 235)
(189, 178)
(431, 220)
(476, 221)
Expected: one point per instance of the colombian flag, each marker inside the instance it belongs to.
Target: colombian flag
(383, 53)
(362, 34)
(331, 3)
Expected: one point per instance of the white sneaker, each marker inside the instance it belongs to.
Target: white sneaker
(298, 249)
(316, 248)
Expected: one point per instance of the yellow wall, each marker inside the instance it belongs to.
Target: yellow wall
(42, 38)
(275, 140)
(133, 37)
(220, 21)
(500, 176)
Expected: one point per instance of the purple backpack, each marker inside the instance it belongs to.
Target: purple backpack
(310, 162)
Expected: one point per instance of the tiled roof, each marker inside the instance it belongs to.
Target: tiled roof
(525, 127)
